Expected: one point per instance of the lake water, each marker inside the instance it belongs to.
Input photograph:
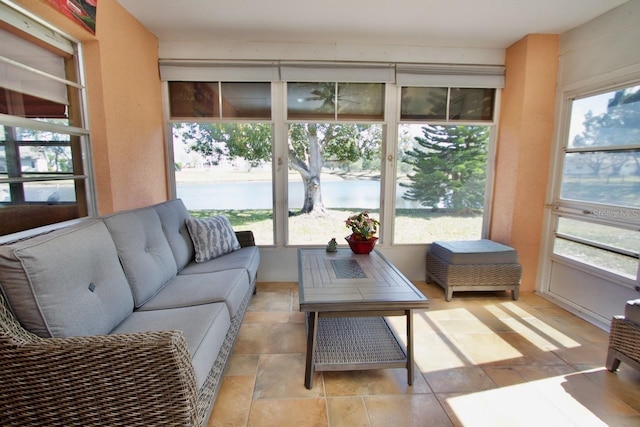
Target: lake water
(364, 194)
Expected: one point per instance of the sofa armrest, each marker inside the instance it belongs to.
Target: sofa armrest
(245, 238)
(132, 379)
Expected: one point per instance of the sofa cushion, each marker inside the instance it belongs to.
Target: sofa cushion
(204, 328)
(632, 311)
(247, 258)
(212, 237)
(173, 215)
(229, 286)
(144, 251)
(481, 251)
(68, 282)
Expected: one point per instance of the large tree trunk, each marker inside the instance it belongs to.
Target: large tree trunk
(310, 173)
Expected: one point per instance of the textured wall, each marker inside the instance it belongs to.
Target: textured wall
(525, 139)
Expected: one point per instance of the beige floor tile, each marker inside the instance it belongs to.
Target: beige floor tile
(469, 379)
(481, 360)
(289, 413)
(281, 376)
(233, 403)
(242, 364)
(271, 338)
(347, 412)
(372, 382)
(411, 410)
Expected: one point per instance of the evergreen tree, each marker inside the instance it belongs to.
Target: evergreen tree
(450, 168)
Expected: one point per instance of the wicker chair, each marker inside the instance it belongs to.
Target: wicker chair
(624, 338)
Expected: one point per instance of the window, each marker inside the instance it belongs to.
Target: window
(292, 149)
(442, 163)
(222, 144)
(334, 144)
(598, 208)
(43, 141)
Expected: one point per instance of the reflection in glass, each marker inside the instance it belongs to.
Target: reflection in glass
(51, 192)
(246, 100)
(603, 234)
(609, 119)
(471, 104)
(608, 177)
(361, 101)
(424, 103)
(193, 99)
(611, 261)
(311, 100)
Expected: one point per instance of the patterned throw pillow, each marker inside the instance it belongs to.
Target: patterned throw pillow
(212, 237)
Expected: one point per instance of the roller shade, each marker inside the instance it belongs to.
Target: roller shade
(208, 71)
(450, 75)
(337, 72)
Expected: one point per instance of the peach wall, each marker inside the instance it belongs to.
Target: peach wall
(525, 138)
(125, 105)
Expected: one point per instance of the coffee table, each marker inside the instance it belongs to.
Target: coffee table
(346, 298)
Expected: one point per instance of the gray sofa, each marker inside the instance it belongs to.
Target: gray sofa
(111, 322)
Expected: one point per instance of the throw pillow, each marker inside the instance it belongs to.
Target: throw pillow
(212, 237)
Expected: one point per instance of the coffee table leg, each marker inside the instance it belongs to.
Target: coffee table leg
(312, 319)
(409, 314)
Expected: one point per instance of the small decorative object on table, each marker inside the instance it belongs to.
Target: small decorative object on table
(363, 228)
(332, 246)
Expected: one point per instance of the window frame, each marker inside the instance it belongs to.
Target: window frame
(618, 216)
(45, 36)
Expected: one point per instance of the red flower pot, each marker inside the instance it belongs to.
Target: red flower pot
(361, 246)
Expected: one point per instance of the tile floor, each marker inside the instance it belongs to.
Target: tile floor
(481, 360)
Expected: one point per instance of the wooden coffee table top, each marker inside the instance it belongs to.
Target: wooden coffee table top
(345, 282)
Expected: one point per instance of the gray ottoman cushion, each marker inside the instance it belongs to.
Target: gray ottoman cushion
(204, 328)
(68, 282)
(474, 252)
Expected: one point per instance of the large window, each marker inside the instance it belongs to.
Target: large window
(334, 164)
(598, 208)
(443, 150)
(43, 141)
(291, 150)
(222, 144)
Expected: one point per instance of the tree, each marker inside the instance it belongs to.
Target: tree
(618, 125)
(450, 168)
(310, 145)
(250, 141)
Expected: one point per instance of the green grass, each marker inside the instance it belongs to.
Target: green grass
(411, 225)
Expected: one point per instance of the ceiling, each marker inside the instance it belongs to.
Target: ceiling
(442, 23)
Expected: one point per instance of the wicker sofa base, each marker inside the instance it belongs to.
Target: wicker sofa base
(473, 277)
(624, 344)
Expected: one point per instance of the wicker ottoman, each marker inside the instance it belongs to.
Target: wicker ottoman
(473, 265)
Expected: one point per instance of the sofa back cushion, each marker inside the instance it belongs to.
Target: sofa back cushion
(68, 282)
(173, 215)
(143, 250)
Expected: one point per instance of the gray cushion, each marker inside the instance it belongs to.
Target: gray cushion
(245, 258)
(173, 215)
(212, 237)
(228, 286)
(144, 251)
(474, 252)
(632, 311)
(204, 328)
(68, 282)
